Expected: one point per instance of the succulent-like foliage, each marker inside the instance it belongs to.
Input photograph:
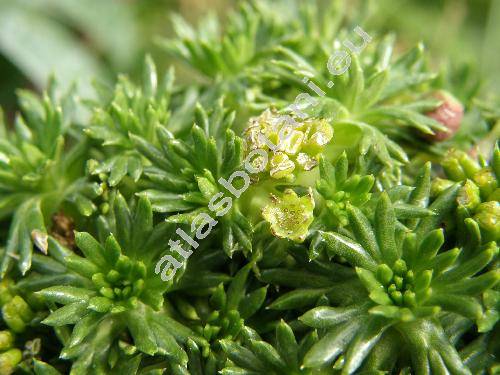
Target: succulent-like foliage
(22, 341)
(410, 280)
(479, 355)
(134, 111)
(258, 356)
(223, 315)
(368, 98)
(185, 176)
(220, 318)
(38, 174)
(118, 291)
(224, 59)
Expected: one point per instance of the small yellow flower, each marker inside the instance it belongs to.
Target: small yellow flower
(290, 216)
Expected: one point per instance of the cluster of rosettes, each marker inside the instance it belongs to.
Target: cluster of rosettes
(291, 144)
(480, 194)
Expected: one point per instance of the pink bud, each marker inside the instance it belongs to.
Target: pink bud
(449, 113)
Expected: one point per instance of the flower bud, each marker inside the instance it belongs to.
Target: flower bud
(458, 165)
(486, 181)
(449, 113)
(5, 294)
(6, 340)
(469, 195)
(16, 314)
(384, 274)
(399, 267)
(9, 360)
(439, 185)
(488, 217)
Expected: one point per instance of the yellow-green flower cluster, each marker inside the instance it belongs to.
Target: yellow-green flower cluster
(291, 144)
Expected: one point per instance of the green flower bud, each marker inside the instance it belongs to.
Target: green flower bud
(486, 180)
(16, 314)
(113, 276)
(107, 292)
(423, 281)
(399, 267)
(6, 340)
(5, 294)
(469, 195)
(384, 274)
(123, 264)
(453, 169)
(9, 360)
(458, 165)
(409, 298)
(439, 185)
(290, 215)
(397, 297)
(488, 217)
(399, 281)
(291, 144)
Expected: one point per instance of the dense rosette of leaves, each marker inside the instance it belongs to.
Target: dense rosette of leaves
(405, 284)
(185, 173)
(340, 190)
(410, 281)
(42, 168)
(130, 111)
(256, 355)
(117, 291)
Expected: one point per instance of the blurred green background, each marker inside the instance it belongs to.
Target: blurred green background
(80, 39)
